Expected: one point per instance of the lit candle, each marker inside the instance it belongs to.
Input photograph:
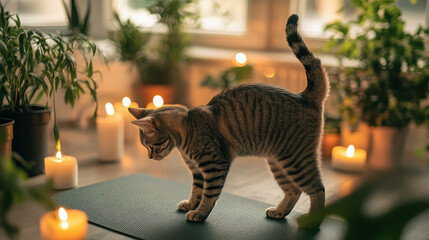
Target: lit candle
(240, 59)
(130, 130)
(157, 102)
(348, 159)
(61, 224)
(62, 169)
(110, 133)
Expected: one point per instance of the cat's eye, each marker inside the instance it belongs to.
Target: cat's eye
(161, 142)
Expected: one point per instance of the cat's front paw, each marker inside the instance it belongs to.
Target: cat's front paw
(196, 216)
(272, 212)
(184, 205)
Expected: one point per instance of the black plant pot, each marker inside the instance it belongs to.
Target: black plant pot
(30, 137)
(6, 136)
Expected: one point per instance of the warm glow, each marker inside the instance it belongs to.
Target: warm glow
(350, 151)
(126, 101)
(158, 101)
(269, 72)
(109, 109)
(64, 225)
(59, 155)
(240, 59)
(62, 214)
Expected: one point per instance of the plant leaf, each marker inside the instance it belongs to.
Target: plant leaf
(3, 49)
(57, 137)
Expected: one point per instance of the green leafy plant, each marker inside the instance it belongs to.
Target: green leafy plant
(13, 190)
(131, 42)
(158, 62)
(33, 64)
(388, 83)
(76, 25)
(361, 216)
(228, 78)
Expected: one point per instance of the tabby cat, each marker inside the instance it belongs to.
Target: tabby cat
(250, 119)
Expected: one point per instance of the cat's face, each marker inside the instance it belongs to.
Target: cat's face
(158, 145)
(152, 134)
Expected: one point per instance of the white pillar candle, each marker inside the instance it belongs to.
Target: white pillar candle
(62, 169)
(348, 159)
(61, 224)
(110, 133)
(131, 131)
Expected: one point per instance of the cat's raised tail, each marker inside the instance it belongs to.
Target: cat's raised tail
(317, 82)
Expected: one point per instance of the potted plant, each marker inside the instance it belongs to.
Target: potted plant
(388, 83)
(131, 44)
(34, 64)
(160, 61)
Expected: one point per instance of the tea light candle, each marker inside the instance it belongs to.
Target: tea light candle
(62, 169)
(110, 134)
(70, 224)
(130, 130)
(348, 159)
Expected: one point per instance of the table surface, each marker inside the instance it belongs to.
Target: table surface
(249, 177)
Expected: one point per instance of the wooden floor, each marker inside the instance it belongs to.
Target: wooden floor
(249, 177)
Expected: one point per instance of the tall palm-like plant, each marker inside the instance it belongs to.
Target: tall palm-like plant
(33, 64)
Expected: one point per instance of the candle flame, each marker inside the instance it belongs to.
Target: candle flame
(109, 109)
(62, 214)
(126, 101)
(240, 59)
(158, 101)
(64, 225)
(59, 155)
(350, 151)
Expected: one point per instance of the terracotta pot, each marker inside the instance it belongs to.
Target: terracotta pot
(6, 136)
(387, 147)
(359, 138)
(329, 141)
(147, 92)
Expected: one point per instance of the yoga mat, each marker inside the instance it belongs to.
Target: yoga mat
(145, 207)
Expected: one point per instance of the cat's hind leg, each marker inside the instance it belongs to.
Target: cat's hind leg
(306, 175)
(291, 191)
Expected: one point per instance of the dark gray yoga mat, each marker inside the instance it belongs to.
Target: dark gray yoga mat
(145, 207)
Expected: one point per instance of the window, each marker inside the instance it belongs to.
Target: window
(216, 16)
(38, 13)
(317, 13)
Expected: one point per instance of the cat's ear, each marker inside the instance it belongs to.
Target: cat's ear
(146, 124)
(139, 112)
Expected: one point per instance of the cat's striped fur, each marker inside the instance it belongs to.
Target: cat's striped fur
(252, 119)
